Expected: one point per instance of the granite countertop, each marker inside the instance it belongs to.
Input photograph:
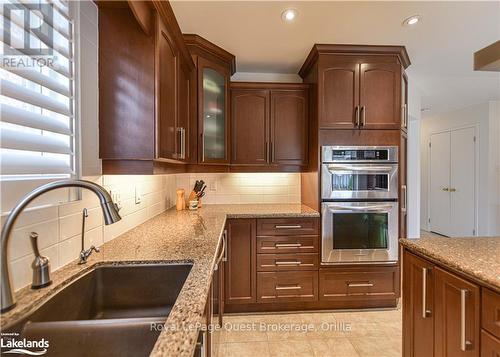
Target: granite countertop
(475, 257)
(184, 236)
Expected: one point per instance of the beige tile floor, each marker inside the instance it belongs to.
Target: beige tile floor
(316, 334)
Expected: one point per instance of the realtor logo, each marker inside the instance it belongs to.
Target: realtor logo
(11, 344)
(27, 29)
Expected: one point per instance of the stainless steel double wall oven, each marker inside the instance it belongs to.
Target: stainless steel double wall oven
(359, 191)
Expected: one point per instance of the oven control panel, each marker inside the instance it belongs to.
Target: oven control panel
(359, 154)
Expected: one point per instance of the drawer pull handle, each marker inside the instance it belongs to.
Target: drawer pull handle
(464, 344)
(289, 227)
(289, 263)
(425, 311)
(288, 245)
(359, 285)
(288, 287)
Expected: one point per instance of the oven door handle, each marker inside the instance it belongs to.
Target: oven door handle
(356, 168)
(377, 208)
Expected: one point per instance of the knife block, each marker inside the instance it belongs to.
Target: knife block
(192, 197)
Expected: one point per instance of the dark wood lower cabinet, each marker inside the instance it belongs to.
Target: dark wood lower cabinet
(442, 312)
(418, 307)
(287, 287)
(456, 321)
(274, 265)
(359, 283)
(240, 272)
(490, 345)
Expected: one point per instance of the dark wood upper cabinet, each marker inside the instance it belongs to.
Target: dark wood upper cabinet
(457, 314)
(214, 67)
(269, 124)
(379, 97)
(358, 86)
(144, 66)
(167, 71)
(418, 307)
(340, 86)
(289, 127)
(240, 268)
(250, 126)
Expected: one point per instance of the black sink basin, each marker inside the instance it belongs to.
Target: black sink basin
(109, 311)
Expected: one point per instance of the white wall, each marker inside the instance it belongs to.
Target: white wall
(494, 166)
(474, 115)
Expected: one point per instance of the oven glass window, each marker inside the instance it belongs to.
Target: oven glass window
(360, 182)
(360, 230)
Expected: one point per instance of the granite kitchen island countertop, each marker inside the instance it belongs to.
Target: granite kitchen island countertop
(184, 236)
(475, 257)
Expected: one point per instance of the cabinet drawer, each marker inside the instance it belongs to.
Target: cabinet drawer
(490, 311)
(285, 244)
(490, 345)
(287, 286)
(278, 262)
(359, 283)
(287, 226)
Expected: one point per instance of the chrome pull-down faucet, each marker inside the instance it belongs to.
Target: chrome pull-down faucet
(109, 210)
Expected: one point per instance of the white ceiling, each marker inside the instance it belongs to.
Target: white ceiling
(440, 47)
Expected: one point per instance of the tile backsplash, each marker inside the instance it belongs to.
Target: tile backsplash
(140, 198)
(241, 188)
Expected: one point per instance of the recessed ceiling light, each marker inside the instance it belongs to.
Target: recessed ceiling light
(412, 20)
(289, 15)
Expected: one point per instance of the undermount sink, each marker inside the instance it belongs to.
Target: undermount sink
(108, 311)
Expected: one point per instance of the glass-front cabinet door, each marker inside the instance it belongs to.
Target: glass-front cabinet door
(213, 111)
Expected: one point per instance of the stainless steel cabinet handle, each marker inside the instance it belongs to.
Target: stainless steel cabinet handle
(268, 151)
(288, 227)
(202, 148)
(359, 285)
(406, 115)
(405, 198)
(288, 245)
(288, 287)
(288, 263)
(363, 115)
(463, 338)
(182, 143)
(225, 246)
(183, 147)
(425, 312)
(446, 189)
(356, 115)
(272, 152)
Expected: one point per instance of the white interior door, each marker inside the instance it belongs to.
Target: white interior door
(440, 183)
(463, 160)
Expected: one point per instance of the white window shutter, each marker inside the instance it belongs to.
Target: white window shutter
(37, 128)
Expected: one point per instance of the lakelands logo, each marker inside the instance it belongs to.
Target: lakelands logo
(23, 346)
